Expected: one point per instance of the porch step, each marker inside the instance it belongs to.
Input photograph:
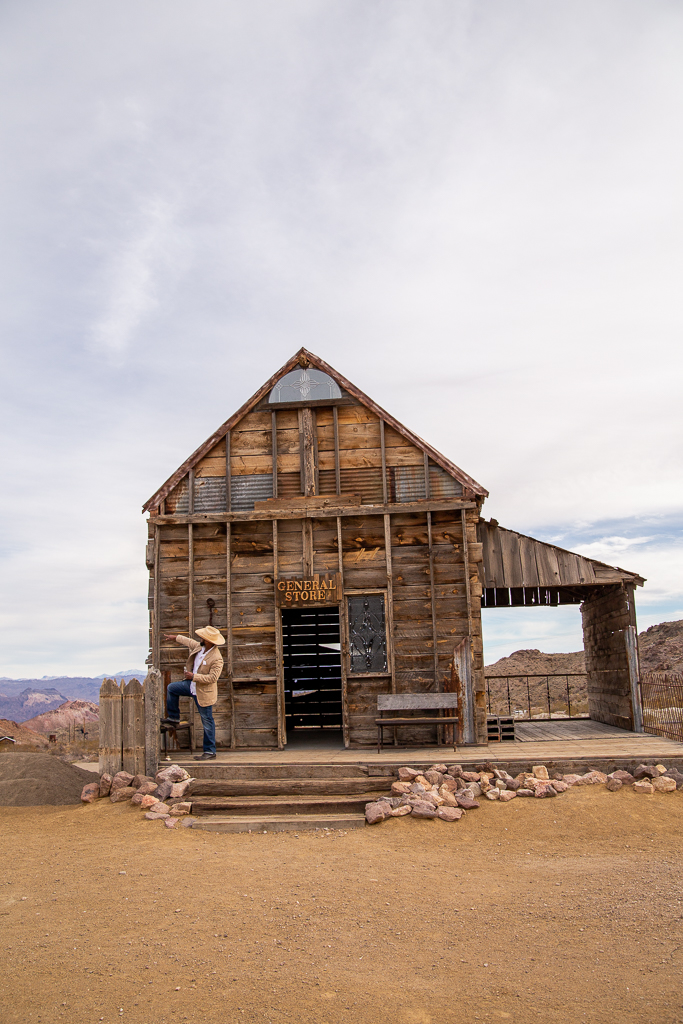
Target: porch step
(289, 786)
(279, 822)
(257, 772)
(263, 806)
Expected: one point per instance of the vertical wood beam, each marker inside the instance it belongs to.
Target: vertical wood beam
(343, 636)
(466, 565)
(190, 491)
(390, 599)
(470, 714)
(432, 595)
(384, 467)
(156, 638)
(279, 660)
(190, 578)
(337, 468)
(307, 451)
(273, 449)
(228, 637)
(426, 465)
(228, 495)
(307, 544)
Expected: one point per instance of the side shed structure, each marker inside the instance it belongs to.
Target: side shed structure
(343, 557)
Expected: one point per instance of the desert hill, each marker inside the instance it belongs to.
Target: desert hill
(661, 647)
(19, 732)
(661, 650)
(72, 714)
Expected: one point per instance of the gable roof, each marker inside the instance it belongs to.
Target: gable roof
(305, 358)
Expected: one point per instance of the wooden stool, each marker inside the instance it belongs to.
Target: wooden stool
(172, 731)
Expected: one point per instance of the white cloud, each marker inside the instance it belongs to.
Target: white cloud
(473, 211)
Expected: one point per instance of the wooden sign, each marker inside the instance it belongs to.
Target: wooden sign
(308, 590)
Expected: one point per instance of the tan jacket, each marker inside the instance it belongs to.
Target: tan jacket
(210, 669)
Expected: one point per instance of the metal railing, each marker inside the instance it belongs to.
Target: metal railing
(528, 695)
(662, 697)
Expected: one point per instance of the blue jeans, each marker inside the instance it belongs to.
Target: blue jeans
(182, 689)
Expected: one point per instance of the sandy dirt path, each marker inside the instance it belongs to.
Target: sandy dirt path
(558, 911)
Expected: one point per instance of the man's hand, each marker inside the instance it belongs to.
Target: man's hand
(189, 675)
(170, 636)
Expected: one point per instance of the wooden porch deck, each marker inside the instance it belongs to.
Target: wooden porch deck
(539, 742)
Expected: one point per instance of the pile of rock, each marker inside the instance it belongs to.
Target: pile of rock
(447, 791)
(162, 798)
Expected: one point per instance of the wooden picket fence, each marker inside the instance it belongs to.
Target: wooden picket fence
(129, 713)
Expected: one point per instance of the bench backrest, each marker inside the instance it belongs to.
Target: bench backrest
(416, 701)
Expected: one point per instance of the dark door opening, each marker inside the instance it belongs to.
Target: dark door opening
(311, 651)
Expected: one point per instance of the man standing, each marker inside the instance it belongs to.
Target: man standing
(202, 669)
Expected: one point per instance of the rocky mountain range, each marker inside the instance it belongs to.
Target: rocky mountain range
(21, 699)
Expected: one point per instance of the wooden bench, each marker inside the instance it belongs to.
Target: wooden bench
(414, 702)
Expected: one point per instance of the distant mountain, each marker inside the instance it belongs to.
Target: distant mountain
(29, 702)
(70, 688)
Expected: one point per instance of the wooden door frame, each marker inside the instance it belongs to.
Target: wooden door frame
(279, 647)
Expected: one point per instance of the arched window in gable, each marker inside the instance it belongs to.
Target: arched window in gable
(305, 385)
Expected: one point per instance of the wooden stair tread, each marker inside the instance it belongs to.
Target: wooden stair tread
(278, 822)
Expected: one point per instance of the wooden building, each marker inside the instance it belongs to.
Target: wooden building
(343, 557)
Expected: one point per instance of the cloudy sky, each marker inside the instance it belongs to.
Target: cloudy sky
(472, 209)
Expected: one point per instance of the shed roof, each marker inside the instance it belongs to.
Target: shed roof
(305, 358)
(511, 559)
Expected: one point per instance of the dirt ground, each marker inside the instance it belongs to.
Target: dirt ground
(558, 911)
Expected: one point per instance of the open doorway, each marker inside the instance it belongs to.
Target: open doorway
(311, 649)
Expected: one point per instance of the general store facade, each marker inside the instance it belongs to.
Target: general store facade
(343, 557)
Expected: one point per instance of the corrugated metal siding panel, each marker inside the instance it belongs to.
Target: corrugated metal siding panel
(289, 485)
(245, 490)
(442, 484)
(328, 481)
(367, 482)
(209, 494)
(407, 483)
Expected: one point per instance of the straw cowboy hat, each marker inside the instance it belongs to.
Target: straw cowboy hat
(210, 633)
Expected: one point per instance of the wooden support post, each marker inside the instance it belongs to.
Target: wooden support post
(133, 728)
(432, 595)
(390, 599)
(190, 492)
(464, 660)
(466, 566)
(156, 625)
(337, 469)
(307, 451)
(190, 580)
(111, 754)
(152, 691)
(307, 542)
(427, 487)
(384, 465)
(228, 495)
(279, 659)
(343, 635)
(228, 637)
(273, 449)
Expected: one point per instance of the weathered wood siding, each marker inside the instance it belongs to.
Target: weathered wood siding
(416, 560)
